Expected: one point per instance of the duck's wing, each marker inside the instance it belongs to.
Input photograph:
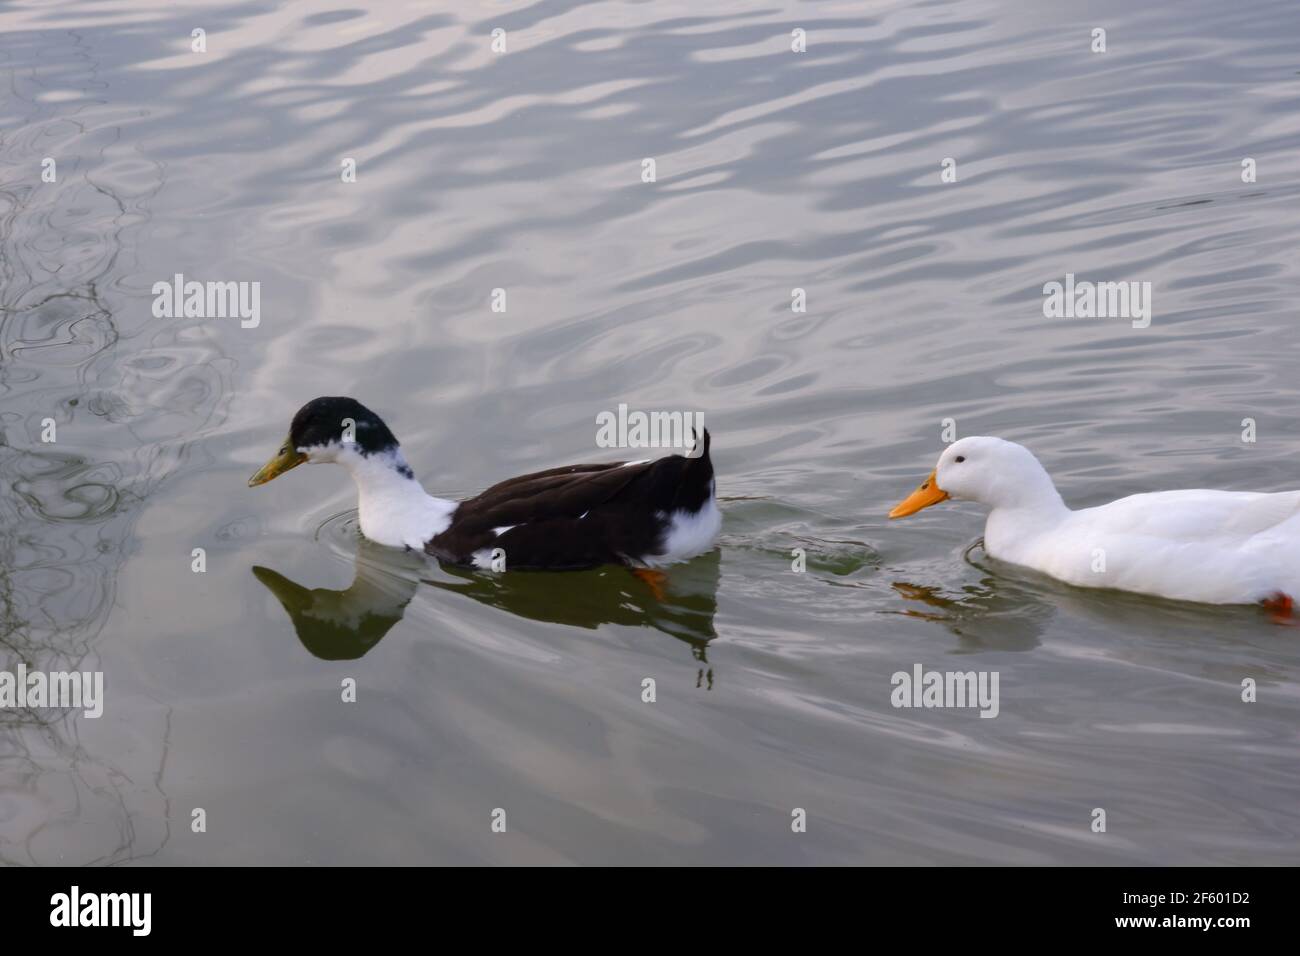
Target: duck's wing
(554, 491)
(577, 515)
(1199, 514)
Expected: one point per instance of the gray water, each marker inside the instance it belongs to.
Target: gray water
(776, 170)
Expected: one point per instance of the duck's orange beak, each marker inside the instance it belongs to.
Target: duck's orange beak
(928, 494)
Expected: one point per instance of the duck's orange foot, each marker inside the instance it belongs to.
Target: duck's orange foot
(655, 579)
(1281, 606)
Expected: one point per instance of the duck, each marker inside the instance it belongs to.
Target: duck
(1206, 546)
(644, 515)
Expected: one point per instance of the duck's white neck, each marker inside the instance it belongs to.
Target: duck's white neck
(1021, 510)
(393, 508)
(1033, 493)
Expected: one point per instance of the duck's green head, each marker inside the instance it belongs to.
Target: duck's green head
(324, 429)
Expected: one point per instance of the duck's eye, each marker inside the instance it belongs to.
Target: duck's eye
(960, 458)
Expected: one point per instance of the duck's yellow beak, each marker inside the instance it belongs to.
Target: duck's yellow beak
(928, 494)
(287, 457)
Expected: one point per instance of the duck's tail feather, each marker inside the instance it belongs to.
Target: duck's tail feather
(695, 482)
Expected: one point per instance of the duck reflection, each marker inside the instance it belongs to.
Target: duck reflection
(1010, 608)
(997, 613)
(345, 625)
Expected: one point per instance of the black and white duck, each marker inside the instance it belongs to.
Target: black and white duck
(642, 514)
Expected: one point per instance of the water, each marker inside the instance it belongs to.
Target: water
(522, 171)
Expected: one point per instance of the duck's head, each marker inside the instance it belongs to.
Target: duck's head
(331, 429)
(992, 471)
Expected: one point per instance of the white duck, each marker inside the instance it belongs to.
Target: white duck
(1216, 547)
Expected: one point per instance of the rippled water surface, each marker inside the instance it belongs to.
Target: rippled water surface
(776, 170)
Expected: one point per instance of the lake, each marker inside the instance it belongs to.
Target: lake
(838, 257)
